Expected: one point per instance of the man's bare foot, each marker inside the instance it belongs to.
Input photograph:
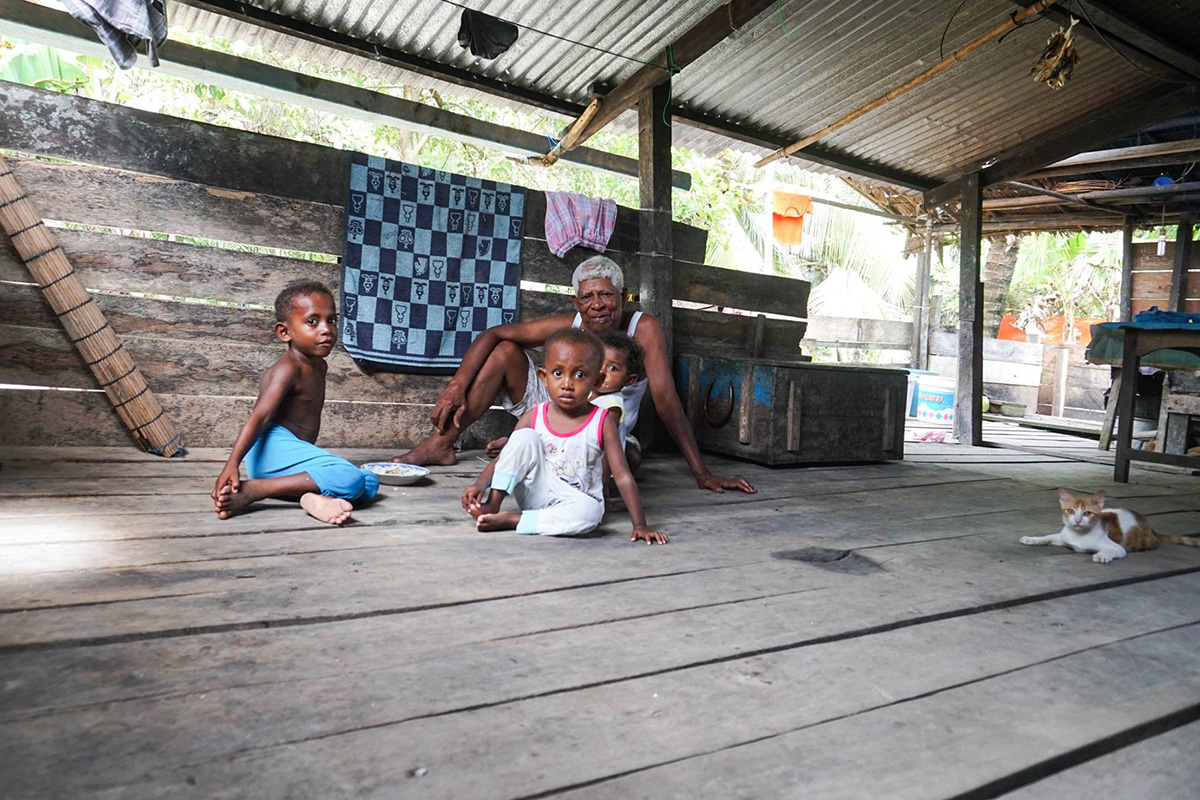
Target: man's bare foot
(502, 521)
(494, 447)
(429, 452)
(333, 510)
(230, 503)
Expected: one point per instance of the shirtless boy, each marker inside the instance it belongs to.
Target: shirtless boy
(277, 441)
(552, 463)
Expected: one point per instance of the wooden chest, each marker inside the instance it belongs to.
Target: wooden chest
(785, 412)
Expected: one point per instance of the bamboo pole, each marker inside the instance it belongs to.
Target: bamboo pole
(84, 322)
(995, 33)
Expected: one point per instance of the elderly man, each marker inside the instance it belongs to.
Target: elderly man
(497, 360)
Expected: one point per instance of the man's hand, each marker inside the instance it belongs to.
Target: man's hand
(649, 536)
(471, 496)
(715, 483)
(229, 477)
(450, 405)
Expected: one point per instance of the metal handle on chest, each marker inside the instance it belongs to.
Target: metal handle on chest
(722, 421)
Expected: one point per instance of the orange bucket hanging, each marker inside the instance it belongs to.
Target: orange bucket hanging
(787, 216)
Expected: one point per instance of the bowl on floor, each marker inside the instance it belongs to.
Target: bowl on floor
(396, 474)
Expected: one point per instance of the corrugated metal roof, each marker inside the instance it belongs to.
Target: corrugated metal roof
(792, 70)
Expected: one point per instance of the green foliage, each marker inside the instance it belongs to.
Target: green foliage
(1076, 275)
(35, 65)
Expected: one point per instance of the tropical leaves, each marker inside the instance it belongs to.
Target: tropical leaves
(40, 66)
(1076, 275)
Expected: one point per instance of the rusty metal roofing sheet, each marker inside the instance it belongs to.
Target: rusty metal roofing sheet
(795, 68)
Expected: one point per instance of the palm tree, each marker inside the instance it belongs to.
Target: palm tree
(1072, 275)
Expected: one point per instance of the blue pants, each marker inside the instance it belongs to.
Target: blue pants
(279, 452)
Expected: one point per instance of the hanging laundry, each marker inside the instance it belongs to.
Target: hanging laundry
(122, 25)
(430, 260)
(787, 217)
(573, 219)
(486, 36)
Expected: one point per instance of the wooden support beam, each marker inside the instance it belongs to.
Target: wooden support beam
(1119, 158)
(84, 322)
(1126, 278)
(1147, 49)
(654, 228)
(698, 40)
(58, 29)
(968, 402)
(1179, 270)
(1077, 200)
(1122, 119)
(919, 349)
(1134, 194)
(1008, 25)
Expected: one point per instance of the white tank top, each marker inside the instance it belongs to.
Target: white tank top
(632, 394)
(575, 457)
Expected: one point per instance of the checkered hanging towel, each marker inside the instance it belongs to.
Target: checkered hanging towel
(430, 260)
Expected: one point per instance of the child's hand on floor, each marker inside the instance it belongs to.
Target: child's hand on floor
(650, 537)
(228, 477)
(471, 496)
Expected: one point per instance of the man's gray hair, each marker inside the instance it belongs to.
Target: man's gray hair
(598, 267)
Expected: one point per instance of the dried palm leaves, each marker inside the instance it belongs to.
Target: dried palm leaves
(1059, 58)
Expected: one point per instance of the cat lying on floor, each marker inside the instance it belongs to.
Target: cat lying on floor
(1089, 528)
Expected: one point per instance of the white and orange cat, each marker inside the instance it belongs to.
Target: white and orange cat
(1089, 528)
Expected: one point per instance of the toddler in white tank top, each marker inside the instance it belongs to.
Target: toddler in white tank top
(553, 462)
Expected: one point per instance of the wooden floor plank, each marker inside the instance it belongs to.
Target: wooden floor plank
(964, 739)
(1165, 766)
(814, 719)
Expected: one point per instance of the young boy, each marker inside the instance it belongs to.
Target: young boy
(277, 440)
(552, 461)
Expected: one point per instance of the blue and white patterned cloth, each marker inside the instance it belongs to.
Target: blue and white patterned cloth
(122, 25)
(430, 260)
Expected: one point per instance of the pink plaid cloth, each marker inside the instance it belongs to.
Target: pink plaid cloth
(573, 219)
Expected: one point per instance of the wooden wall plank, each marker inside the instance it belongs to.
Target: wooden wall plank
(118, 263)
(58, 419)
(104, 134)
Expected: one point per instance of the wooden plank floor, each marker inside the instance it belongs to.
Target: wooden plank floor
(869, 631)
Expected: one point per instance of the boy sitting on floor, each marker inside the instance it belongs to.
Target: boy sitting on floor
(552, 463)
(277, 440)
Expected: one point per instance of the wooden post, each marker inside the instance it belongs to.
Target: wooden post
(1129, 371)
(968, 404)
(920, 322)
(1179, 270)
(1127, 271)
(654, 228)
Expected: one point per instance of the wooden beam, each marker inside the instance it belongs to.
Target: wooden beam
(1134, 194)
(698, 40)
(1163, 153)
(1008, 25)
(1126, 281)
(1066, 198)
(1146, 48)
(1179, 270)
(657, 244)
(654, 155)
(1121, 119)
(58, 29)
(968, 402)
(918, 350)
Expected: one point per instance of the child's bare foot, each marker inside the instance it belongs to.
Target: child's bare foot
(230, 503)
(494, 447)
(502, 521)
(429, 452)
(333, 510)
(490, 504)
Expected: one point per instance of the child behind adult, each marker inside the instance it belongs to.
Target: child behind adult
(556, 476)
(277, 442)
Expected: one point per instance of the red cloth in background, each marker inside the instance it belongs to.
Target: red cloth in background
(787, 216)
